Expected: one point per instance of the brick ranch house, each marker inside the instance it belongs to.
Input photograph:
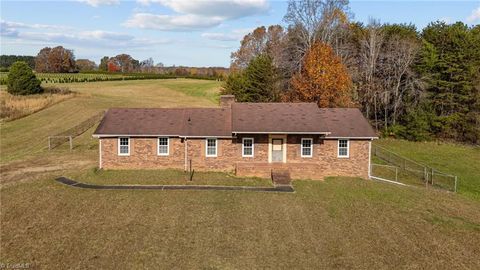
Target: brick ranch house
(250, 139)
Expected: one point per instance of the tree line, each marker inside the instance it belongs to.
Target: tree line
(62, 60)
(7, 60)
(413, 84)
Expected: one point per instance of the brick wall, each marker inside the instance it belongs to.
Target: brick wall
(324, 161)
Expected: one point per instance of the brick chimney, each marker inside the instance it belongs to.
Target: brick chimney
(227, 100)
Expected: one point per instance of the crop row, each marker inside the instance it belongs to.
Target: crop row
(85, 77)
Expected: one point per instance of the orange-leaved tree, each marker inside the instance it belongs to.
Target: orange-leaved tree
(323, 79)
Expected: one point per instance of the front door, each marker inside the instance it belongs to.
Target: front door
(277, 150)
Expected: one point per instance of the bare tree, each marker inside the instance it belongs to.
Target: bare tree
(260, 41)
(398, 57)
(317, 20)
(369, 51)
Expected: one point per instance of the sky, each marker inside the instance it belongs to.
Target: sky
(180, 32)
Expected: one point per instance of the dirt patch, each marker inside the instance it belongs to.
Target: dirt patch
(38, 168)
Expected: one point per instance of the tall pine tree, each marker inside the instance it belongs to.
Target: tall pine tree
(450, 62)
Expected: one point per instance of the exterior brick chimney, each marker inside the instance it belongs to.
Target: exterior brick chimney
(227, 100)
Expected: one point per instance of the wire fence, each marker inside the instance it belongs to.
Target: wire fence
(67, 136)
(407, 171)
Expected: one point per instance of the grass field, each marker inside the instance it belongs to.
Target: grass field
(339, 223)
(460, 160)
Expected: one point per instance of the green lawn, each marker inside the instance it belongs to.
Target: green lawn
(340, 223)
(164, 177)
(456, 159)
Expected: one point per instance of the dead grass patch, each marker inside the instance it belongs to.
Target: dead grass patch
(15, 107)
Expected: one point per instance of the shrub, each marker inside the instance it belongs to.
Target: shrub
(22, 81)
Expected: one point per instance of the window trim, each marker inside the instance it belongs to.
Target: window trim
(348, 148)
(206, 147)
(118, 142)
(158, 146)
(311, 147)
(243, 147)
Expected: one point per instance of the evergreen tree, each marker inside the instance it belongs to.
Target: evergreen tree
(450, 62)
(257, 83)
(22, 81)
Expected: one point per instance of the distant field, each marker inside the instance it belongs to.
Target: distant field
(93, 77)
(27, 137)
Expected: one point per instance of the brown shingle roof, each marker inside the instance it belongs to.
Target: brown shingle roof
(346, 122)
(277, 117)
(240, 118)
(171, 121)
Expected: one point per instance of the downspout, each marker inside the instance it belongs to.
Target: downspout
(186, 153)
(100, 153)
(369, 159)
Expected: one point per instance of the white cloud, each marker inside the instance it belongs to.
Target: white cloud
(194, 15)
(228, 9)
(91, 39)
(10, 25)
(235, 35)
(96, 3)
(171, 22)
(475, 16)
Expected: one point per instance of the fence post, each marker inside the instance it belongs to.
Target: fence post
(432, 177)
(455, 189)
(396, 174)
(49, 147)
(425, 175)
(71, 144)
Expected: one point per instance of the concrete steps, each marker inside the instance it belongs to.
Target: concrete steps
(281, 177)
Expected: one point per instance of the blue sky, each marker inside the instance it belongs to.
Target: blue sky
(180, 32)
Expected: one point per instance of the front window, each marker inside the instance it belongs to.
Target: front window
(211, 147)
(307, 145)
(163, 146)
(247, 147)
(343, 148)
(124, 146)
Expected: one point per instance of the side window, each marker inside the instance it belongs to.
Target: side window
(211, 147)
(123, 146)
(306, 147)
(247, 147)
(343, 148)
(163, 146)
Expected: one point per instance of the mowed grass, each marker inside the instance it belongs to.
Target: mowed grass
(27, 137)
(460, 160)
(340, 223)
(164, 177)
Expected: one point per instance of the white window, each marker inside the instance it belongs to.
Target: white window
(247, 147)
(306, 147)
(211, 147)
(123, 146)
(163, 146)
(343, 148)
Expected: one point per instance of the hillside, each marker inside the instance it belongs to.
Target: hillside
(457, 159)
